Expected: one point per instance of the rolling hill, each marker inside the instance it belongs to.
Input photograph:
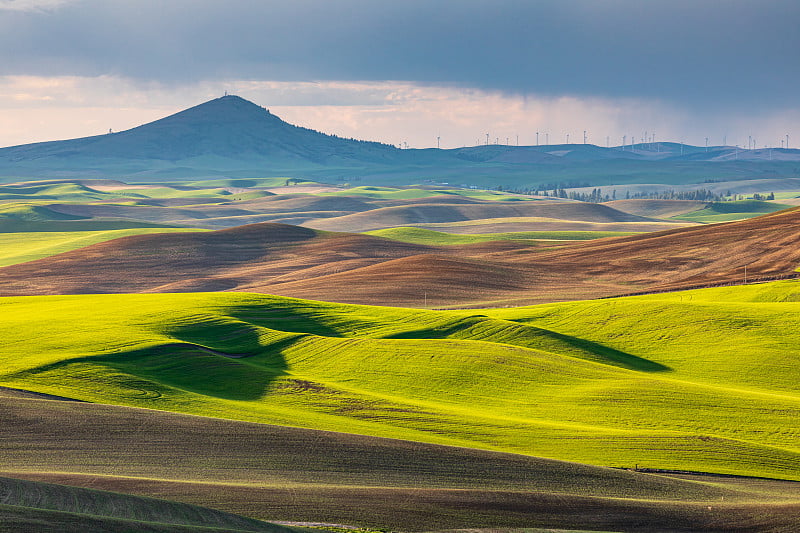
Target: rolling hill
(35, 506)
(306, 263)
(437, 213)
(612, 382)
(298, 474)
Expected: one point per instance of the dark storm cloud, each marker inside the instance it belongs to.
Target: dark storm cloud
(713, 53)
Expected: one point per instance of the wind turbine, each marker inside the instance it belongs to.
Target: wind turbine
(537, 138)
(438, 138)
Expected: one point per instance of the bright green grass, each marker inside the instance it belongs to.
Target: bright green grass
(703, 380)
(31, 211)
(29, 246)
(33, 193)
(52, 191)
(728, 211)
(439, 238)
(394, 193)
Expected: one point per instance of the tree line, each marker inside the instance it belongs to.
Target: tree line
(597, 196)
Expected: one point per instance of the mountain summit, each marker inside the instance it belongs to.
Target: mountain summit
(227, 132)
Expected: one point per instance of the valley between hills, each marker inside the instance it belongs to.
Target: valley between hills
(284, 354)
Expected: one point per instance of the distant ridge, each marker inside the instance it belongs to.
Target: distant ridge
(233, 137)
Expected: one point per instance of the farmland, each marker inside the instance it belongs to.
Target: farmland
(281, 473)
(630, 393)
(573, 413)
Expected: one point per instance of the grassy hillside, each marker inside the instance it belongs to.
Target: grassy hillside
(20, 247)
(45, 507)
(439, 238)
(611, 382)
(728, 211)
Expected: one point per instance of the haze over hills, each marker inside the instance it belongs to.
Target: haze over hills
(230, 136)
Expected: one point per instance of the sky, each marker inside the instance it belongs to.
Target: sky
(412, 72)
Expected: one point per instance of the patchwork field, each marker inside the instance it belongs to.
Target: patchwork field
(21, 247)
(676, 408)
(357, 268)
(216, 204)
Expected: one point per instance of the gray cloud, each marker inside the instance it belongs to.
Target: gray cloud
(30, 5)
(710, 55)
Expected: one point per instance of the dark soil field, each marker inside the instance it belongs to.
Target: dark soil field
(287, 474)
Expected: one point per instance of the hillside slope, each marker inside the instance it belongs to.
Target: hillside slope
(296, 261)
(306, 475)
(630, 392)
(444, 212)
(35, 506)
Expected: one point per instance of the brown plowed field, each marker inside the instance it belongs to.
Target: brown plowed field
(281, 473)
(295, 261)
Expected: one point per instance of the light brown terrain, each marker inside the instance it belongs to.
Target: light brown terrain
(656, 208)
(444, 210)
(300, 262)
